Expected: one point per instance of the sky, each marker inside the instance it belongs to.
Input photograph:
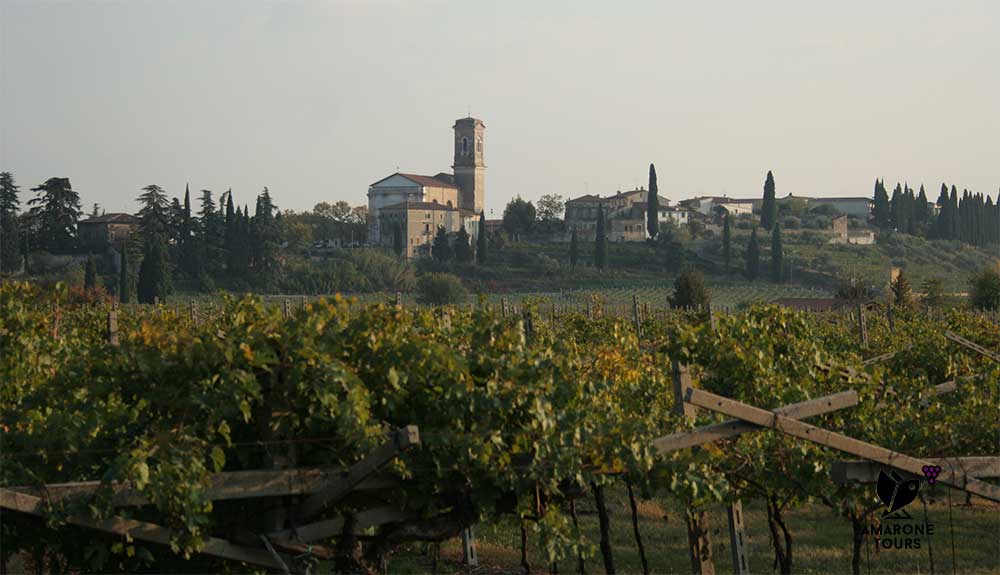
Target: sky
(317, 100)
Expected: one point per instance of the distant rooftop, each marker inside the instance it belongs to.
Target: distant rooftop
(118, 218)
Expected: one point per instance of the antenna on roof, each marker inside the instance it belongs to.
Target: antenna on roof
(469, 110)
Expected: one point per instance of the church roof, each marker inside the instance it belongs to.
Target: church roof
(112, 219)
(420, 206)
(426, 181)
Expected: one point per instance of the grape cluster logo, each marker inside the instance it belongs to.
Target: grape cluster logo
(931, 472)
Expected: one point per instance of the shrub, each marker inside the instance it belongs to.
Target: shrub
(985, 289)
(440, 289)
(690, 290)
(792, 223)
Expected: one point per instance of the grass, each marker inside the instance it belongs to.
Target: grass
(822, 542)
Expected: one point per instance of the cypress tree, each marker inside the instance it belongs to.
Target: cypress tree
(463, 249)
(882, 217)
(397, 239)
(942, 225)
(600, 242)
(896, 208)
(753, 257)
(441, 248)
(90, 274)
(124, 295)
(922, 208)
(573, 249)
(769, 209)
(482, 247)
(953, 216)
(154, 275)
(777, 257)
(652, 205)
(726, 243)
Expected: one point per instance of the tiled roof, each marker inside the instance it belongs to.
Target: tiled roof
(112, 219)
(420, 206)
(426, 181)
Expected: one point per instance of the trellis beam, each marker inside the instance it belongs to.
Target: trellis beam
(856, 471)
(837, 441)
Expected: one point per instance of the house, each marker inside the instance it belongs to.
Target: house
(99, 232)
(625, 214)
(418, 223)
(709, 205)
(843, 234)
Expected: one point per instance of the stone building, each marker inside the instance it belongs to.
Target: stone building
(419, 204)
(625, 214)
(100, 232)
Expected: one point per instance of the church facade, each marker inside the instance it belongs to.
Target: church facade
(413, 206)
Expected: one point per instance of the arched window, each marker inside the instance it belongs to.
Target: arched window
(465, 146)
(479, 145)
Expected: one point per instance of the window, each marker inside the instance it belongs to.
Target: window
(465, 146)
(427, 228)
(479, 145)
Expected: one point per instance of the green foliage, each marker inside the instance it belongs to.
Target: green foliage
(154, 273)
(652, 205)
(727, 244)
(769, 209)
(482, 241)
(10, 236)
(441, 248)
(53, 216)
(124, 279)
(777, 255)
(600, 241)
(690, 291)
(753, 257)
(462, 247)
(518, 217)
(985, 289)
(902, 293)
(90, 274)
(440, 289)
(933, 292)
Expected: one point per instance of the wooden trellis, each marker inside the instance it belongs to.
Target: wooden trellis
(276, 550)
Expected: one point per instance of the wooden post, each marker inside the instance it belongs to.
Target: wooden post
(737, 538)
(635, 316)
(399, 299)
(113, 328)
(699, 540)
(682, 383)
(862, 329)
(156, 300)
(469, 555)
(286, 308)
(193, 312)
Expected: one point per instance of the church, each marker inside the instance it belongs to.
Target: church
(414, 206)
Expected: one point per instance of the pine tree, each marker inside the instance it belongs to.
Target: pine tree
(753, 257)
(441, 248)
(154, 273)
(652, 205)
(463, 249)
(124, 286)
(777, 255)
(600, 242)
(690, 291)
(154, 218)
(482, 243)
(727, 249)
(902, 294)
(769, 209)
(10, 237)
(54, 215)
(90, 274)
(573, 250)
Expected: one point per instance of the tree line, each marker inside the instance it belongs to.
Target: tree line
(217, 240)
(970, 218)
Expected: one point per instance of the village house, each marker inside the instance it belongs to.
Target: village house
(625, 214)
(99, 232)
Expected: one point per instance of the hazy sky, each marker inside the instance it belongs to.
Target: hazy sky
(316, 100)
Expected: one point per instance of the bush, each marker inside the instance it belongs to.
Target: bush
(440, 289)
(985, 289)
(690, 291)
(792, 223)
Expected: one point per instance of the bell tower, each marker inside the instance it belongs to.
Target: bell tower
(470, 165)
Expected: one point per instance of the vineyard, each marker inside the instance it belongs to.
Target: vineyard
(328, 435)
